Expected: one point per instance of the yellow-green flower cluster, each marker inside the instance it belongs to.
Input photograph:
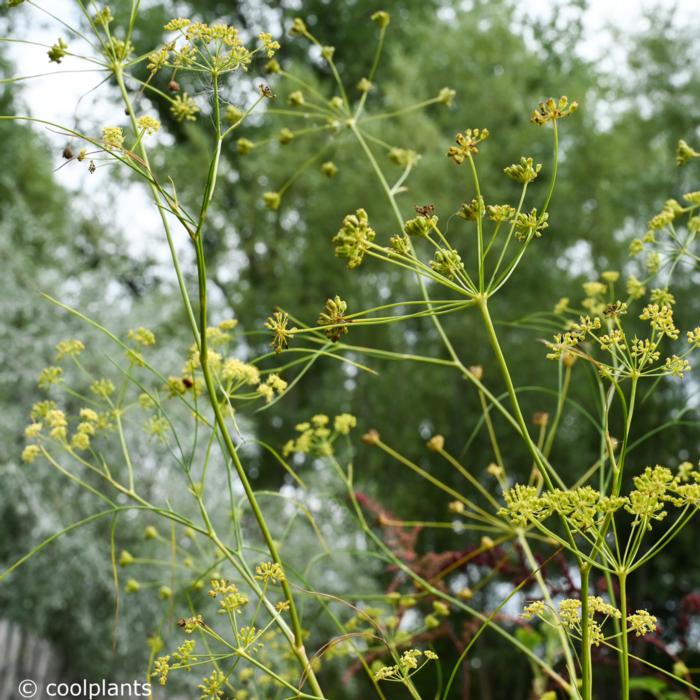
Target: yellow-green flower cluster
(49, 376)
(85, 430)
(69, 348)
(30, 453)
(403, 157)
(103, 388)
(215, 48)
(447, 262)
(237, 373)
(599, 612)
(407, 665)
(467, 144)
(333, 318)
(232, 600)
(661, 320)
(354, 238)
(583, 507)
(161, 668)
(530, 225)
(632, 356)
(472, 211)
(269, 44)
(113, 137)
(142, 336)
(58, 51)
(184, 654)
(685, 153)
(184, 108)
(551, 110)
(273, 384)
(269, 572)
(420, 226)
(523, 172)
(212, 686)
(316, 437)
(500, 212)
(664, 237)
(278, 323)
(149, 125)
(641, 623)
(652, 491)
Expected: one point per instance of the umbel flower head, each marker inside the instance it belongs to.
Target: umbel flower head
(420, 226)
(530, 225)
(525, 171)
(269, 572)
(551, 110)
(408, 664)
(316, 437)
(467, 144)
(354, 238)
(184, 108)
(113, 137)
(278, 323)
(447, 262)
(472, 211)
(58, 51)
(333, 315)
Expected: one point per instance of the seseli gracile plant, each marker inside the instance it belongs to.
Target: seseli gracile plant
(262, 630)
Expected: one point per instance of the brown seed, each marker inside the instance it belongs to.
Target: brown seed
(174, 86)
(67, 153)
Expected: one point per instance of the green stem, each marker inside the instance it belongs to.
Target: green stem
(561, 402)
(479, 225)
(586, 668)
(555, 168)
(624, 647)
(510, 387)
(625, 441)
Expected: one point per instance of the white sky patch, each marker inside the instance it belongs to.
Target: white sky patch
(578, 259)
